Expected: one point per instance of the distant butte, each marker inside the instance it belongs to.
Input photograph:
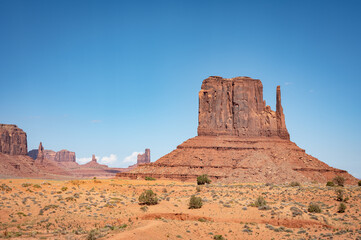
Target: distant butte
(240, 139)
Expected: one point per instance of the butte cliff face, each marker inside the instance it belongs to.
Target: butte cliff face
(13, 140)
(235, 107)
(240, 139)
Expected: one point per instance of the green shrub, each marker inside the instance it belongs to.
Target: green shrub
(203, 179)
(339, 195)
(6, 188)
(218, 237)
(359, 183)
(341, 208)
(195, 202)
(26, 184)
(295, 184)
(148, 197)
(313, 207)
(260, 202)
(36, 186)
(92, 235)
(149, 178)
(339, 181)
(330, 184)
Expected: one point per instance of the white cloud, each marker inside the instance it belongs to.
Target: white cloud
(132, 158)
(83, 160)
(111, 159)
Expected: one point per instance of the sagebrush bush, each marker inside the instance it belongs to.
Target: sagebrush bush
(149, 178)
(260, 202)
(313, 207)
(330, 184)
(195, 202)
(203, 179)
(148, 197)
(359, 183)
(341, 208)
(218, 237)
(339, 195)
(295, 184)
(5, 188)
(339, 181)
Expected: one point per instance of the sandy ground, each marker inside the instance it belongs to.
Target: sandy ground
(109, 209)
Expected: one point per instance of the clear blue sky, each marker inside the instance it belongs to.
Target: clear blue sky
(115, 77)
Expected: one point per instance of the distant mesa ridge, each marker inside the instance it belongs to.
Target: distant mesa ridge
(240, 139)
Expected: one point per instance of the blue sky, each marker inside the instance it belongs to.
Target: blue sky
(112, 78)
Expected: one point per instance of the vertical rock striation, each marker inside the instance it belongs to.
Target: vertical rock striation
(235, 107)
(13, 140)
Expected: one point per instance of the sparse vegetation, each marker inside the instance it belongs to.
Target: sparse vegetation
(6, 188)
(341, 208)
(330, 184)
(64, 189)
(260, 202)
(198, 188)
(295, 184)
(218, 237)
(195, 202)
(148, 197)
(149, 178)
(340, 195)
(314, 208)
(339, 181)
(203, 179)
(36, 186)
(26, 184)
(359, 183)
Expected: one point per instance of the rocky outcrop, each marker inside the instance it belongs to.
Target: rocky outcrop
(13, 140)
(94, 164)
(65, 156)
(144, 158)
(61, 156)
(40, 158)
(240, 139)
(236, 107)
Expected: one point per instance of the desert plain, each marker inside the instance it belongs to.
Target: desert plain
(110, 209)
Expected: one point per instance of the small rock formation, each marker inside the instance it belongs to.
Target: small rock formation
(13, 140)
(240, 139)
(144, 158)
(40, 158)
(94, 164)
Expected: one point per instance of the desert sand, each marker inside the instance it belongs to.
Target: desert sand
(109, 209)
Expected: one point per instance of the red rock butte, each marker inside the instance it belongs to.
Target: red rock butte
(240, 139)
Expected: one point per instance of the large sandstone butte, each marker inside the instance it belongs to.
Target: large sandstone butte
(13, 140)
(240, 139)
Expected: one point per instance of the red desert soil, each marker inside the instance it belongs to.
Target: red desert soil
(109, 209)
